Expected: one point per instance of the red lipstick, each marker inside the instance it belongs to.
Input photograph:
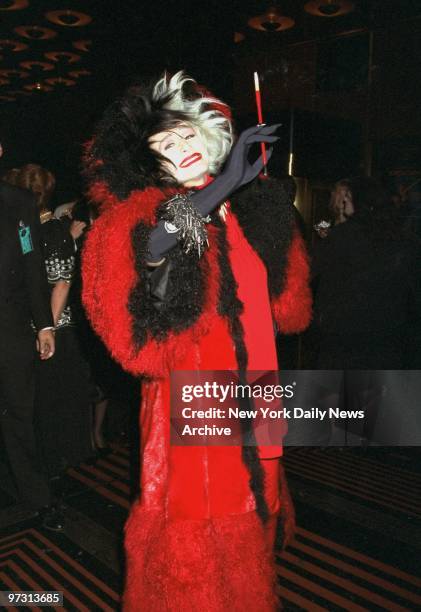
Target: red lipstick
(191, 159)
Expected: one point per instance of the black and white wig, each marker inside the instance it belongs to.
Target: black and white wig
(120, 155)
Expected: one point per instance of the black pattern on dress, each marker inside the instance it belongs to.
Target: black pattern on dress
(59, 257)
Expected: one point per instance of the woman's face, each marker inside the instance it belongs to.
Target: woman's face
(188, 159)
(348, 207)
(342, 203)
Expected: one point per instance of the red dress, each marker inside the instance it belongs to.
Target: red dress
(250, 275)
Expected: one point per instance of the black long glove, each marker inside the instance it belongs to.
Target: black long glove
(238, 171)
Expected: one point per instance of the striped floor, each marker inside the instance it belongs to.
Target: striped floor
(317, 573)
(357, 546)
(30, 560)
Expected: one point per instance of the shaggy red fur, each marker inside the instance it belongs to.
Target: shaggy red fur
(292, 309)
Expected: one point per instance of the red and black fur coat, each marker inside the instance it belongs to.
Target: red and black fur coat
(199, 325)
(151, 342)
(197, 503)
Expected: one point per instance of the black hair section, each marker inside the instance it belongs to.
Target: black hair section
(120, 154)
(266, 215)
(231, 307)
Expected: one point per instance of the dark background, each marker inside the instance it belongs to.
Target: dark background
(353, 81)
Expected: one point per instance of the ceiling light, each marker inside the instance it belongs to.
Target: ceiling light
(82, 45)
(12, 45)
(7, 72)
(56, 56)
(35, 63)
(67, 18)
(271, 21)
(60, 81)
(329, 8)
(35, 32)
(75, 74)
(13, 5)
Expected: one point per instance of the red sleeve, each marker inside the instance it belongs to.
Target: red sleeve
(292, 309)
(108, 276)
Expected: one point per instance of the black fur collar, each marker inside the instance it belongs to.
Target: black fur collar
(266, 216)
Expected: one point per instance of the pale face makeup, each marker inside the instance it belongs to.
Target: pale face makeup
(348, 205)
(342, 203)
(187, 154)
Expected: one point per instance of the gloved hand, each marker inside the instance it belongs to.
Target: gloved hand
(238, 164)
(238, 171)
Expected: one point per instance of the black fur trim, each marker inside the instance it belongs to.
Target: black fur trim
(184, 301)
(250, 456)
(229, 305)
(251, 460)
(264, 211)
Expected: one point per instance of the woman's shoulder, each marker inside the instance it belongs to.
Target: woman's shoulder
(111, 233)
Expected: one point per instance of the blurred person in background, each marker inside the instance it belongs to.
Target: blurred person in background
(366, 294)
(340, 206)
(366, 286)
(341, 203)
(62, 398)
(24, 304)
(102, 367)
(11, 176)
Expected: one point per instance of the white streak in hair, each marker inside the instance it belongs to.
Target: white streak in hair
(214, 127)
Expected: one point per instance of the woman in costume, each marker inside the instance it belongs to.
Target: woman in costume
(178, 278)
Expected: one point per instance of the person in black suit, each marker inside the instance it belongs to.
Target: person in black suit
(24, 299)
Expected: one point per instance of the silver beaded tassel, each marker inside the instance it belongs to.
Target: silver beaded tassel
(182, 216)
